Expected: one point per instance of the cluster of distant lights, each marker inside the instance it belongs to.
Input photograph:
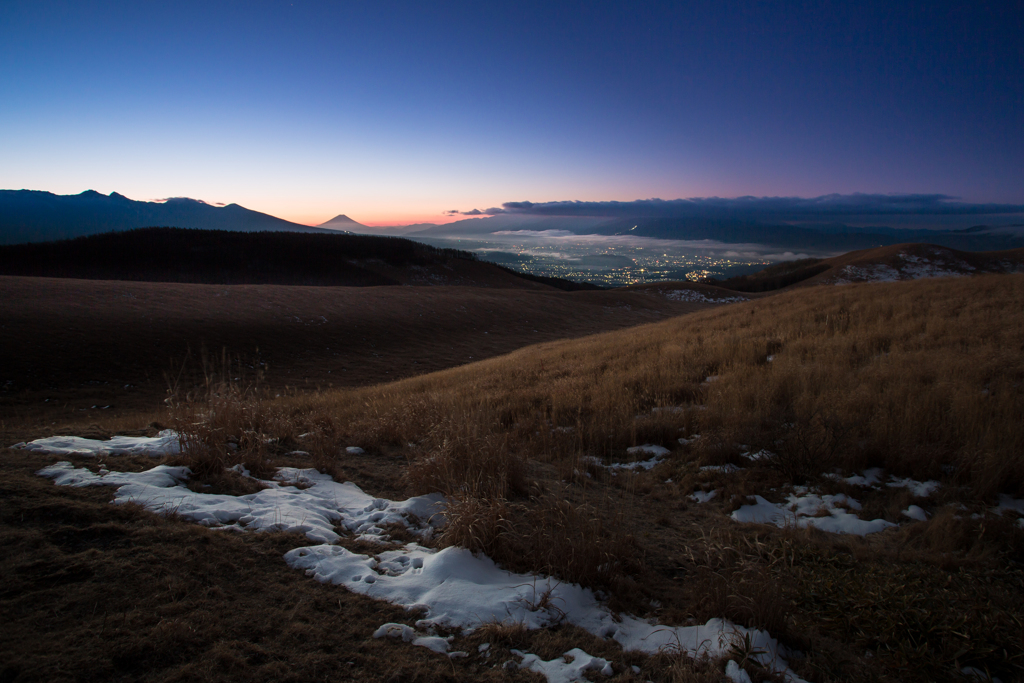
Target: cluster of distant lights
(645, 269)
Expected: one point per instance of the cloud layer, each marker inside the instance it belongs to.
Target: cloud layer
(831, 207)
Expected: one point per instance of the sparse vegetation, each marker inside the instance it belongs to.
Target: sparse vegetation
(923, 379)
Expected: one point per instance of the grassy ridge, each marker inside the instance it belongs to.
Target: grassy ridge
(923, 378)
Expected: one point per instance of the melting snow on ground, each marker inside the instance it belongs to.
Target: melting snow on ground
(1008, 503)
(872, 478)
(703, 496)
(695, 297)
(455, 589)
(916, 513)
(570, 667)
(451, 588)
(401, 631)
(314, 510)
(804, 509)
(657, 453)
(165, 443)
(727, 468)
(906, 267)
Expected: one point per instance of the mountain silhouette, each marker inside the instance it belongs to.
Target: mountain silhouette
(342, 222)
(36, 216)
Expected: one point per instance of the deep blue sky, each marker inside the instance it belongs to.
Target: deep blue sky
(395, 112)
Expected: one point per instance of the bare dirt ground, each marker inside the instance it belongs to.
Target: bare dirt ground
(69, 345)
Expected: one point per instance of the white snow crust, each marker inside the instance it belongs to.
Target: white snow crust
(915, 512)
(657, 453)
(455, 589)
(165, 443)
(703, 496)
(562, 671)
(872, 478)
(408, 634)
(802, 509)
(1008, 503)
(314, 511)
(735, 674)
(451, 588)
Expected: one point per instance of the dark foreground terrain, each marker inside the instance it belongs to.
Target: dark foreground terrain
(755, 403)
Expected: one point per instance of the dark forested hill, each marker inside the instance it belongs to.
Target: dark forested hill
(223, 257)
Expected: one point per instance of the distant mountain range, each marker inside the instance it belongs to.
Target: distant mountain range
(34, 216)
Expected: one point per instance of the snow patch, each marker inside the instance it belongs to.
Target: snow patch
(703, 496)
(735, 674)
(314, 510)
(657, 453)
(166, 442)
(407, 634)
(915, 512)
(872, 478)
(1008, 503)
(917, 488)
(803, 510)
(570, 667)
(455, 589)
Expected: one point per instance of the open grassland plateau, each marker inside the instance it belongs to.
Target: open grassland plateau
(73, 348)
(891, 412)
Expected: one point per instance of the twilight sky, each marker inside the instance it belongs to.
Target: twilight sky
(400, 112)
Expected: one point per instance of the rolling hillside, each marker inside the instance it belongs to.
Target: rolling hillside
(881, 264)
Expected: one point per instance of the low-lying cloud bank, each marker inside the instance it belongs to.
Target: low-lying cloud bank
(850, 208)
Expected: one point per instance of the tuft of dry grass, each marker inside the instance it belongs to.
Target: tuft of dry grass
(220, 423)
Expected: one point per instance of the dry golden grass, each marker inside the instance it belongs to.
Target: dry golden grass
(923, 378)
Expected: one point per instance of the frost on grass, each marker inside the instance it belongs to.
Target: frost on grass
(695, 297)
(166, 442)
(804, 509)
(314, 510)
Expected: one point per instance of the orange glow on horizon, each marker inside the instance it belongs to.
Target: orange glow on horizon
(378, 221)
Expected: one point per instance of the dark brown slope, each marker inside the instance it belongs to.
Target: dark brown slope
(80, 342)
